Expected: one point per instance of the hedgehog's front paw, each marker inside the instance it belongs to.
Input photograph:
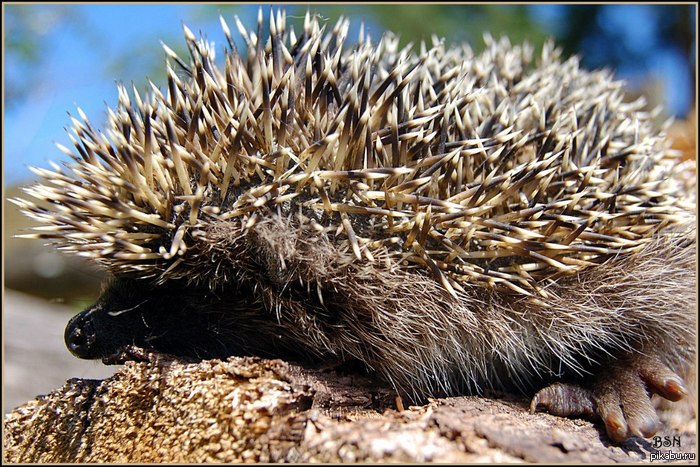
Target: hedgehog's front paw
(134, 353)
(619, 395)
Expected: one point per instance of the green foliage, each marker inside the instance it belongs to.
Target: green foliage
(414, 23)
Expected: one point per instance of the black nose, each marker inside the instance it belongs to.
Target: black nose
(80, 336)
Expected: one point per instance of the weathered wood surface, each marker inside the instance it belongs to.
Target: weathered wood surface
(255, 410)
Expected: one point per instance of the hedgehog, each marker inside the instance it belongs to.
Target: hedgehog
(456, 222)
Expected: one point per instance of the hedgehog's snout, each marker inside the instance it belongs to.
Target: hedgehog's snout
(80, 335)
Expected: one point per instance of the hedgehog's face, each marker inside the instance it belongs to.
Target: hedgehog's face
(167, 318)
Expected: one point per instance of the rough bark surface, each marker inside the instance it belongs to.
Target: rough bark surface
(255, 410)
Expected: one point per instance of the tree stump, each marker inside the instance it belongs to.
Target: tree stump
(256, 410)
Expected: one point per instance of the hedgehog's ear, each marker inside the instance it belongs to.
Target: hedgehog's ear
(294, 252)
(274, 245)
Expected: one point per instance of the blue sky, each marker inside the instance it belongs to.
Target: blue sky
(74, 71)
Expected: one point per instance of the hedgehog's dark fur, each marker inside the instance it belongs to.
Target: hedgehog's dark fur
(456, 222)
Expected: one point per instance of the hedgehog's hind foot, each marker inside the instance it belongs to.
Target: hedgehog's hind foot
(619, 395)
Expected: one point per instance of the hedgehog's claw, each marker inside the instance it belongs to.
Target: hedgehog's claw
(133, 353)
(660, 379)
(622, 402)
(126, 354)
(619, 396)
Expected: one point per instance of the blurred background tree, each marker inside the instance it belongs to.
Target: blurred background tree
(60, 56)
